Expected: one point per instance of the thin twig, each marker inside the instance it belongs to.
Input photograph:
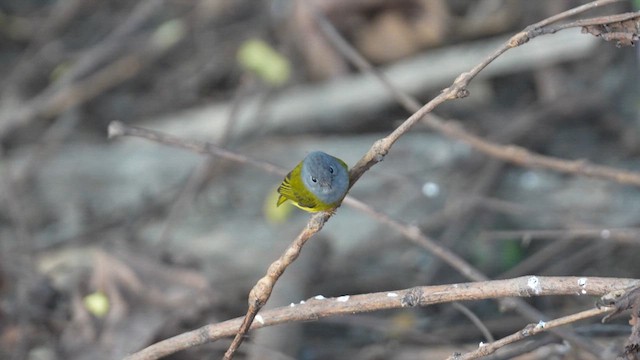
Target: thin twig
(520, 156)
(601, 20)
(528, 331)
(262, 289)
(117, 128)
(572, 12)
(475, 320)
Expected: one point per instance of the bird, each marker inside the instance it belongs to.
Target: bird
(318, 183)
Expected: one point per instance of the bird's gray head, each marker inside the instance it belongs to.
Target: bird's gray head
(325, 176)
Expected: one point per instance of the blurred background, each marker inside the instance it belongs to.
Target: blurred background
(109, 246)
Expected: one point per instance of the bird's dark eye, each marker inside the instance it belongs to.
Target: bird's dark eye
(314, 179)
(331, 169)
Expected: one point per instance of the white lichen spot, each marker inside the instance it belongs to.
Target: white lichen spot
(343, 298)
(534, 284)
(319, 297)
(541, 324)
(292, 305)
(260, 319)
(481, 344)
(582, 282)
(605, 234)
(392, 294)
(301, 302)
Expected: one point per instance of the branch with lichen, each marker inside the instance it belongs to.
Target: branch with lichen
(320, 307)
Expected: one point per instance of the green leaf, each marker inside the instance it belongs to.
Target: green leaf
(512, 254)
(260, 58)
